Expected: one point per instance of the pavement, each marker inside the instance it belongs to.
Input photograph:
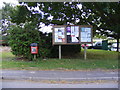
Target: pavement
(93, 75)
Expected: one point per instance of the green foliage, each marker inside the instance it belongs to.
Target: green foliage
(20, 15)
(62, 12)
(103, 16)
(6, 10)
(5, 18)
(22, 37)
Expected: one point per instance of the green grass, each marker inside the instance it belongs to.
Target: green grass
(99, 54)
(95, 59)
(7, 56)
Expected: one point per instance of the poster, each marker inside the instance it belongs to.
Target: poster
(34, 50)
(75, 34)
(72, 34)
(72, 30)
(76, 31)
(68, 29)
(59, 34)
(85, 34)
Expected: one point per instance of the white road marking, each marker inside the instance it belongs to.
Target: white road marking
(32, 72)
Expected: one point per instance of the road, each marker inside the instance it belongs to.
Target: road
(60, 75)
(59, 79)
(31, 84)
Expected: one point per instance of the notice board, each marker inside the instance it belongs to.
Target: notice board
(72, 34)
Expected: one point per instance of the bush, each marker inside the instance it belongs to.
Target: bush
(22, 37)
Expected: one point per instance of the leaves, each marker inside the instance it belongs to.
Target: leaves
(105, 15)
(21, 38)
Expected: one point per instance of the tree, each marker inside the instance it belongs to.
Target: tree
(104, 17)
(23, 31)
(100, 15)
(6, 23)
(6, 17)
(21, 37)
(62, 12)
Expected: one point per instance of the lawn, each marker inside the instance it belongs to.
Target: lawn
(96, 59)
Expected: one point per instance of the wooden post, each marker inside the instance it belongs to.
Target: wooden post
(34, 56)
(85, 52)
(59, 51)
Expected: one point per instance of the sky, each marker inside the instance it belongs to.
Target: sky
(13, 2)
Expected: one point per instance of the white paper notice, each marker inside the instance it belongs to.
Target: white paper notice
(56, 39)
(76, 31)
(85, 34)
(59, 34)
(72, 30)
(59, 40)
(74, 39)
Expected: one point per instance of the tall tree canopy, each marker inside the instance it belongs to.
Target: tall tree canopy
(6, 17)
(104, 16)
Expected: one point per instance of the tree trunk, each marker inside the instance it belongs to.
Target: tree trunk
(118, 43)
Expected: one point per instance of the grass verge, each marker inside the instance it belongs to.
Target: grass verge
(96, 59)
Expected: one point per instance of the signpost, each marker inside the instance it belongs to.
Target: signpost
(72, 35)
(59, 51)
(85, 52)
(34, 49)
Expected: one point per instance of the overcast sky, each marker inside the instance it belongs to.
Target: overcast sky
(13, 2)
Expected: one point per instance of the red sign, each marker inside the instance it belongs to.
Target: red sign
(34, 50)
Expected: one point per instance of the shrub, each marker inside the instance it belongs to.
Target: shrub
(22, 37)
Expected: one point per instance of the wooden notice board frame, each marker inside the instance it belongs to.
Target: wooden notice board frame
(63, 36)
(57, 30)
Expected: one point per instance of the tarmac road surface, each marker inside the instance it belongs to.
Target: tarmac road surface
(59, 75)
(31, 79)
(28, 84)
